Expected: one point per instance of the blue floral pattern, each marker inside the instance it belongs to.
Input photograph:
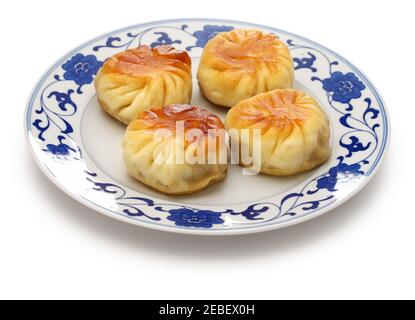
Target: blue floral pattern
(55, 106)
(81, 69)
(344, 87)
(185, 217)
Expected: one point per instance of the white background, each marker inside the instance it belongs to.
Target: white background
(53, 247)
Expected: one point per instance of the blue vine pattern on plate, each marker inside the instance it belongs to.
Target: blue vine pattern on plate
(342, 90)
(306, 63)
(164, 39)
(80, 70)
(201, 37)
(60, 149)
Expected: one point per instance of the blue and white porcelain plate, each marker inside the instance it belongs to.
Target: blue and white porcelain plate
(79, 147)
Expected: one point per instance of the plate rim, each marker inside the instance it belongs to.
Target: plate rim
(196, 231)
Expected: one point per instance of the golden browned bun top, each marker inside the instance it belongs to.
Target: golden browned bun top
(243, 48)
(166, 118)
(145, 60)
(281, 108)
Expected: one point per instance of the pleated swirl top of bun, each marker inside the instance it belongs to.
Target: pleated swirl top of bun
(295, 131)
(138, 79)
(142, 148)
(239, 64)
